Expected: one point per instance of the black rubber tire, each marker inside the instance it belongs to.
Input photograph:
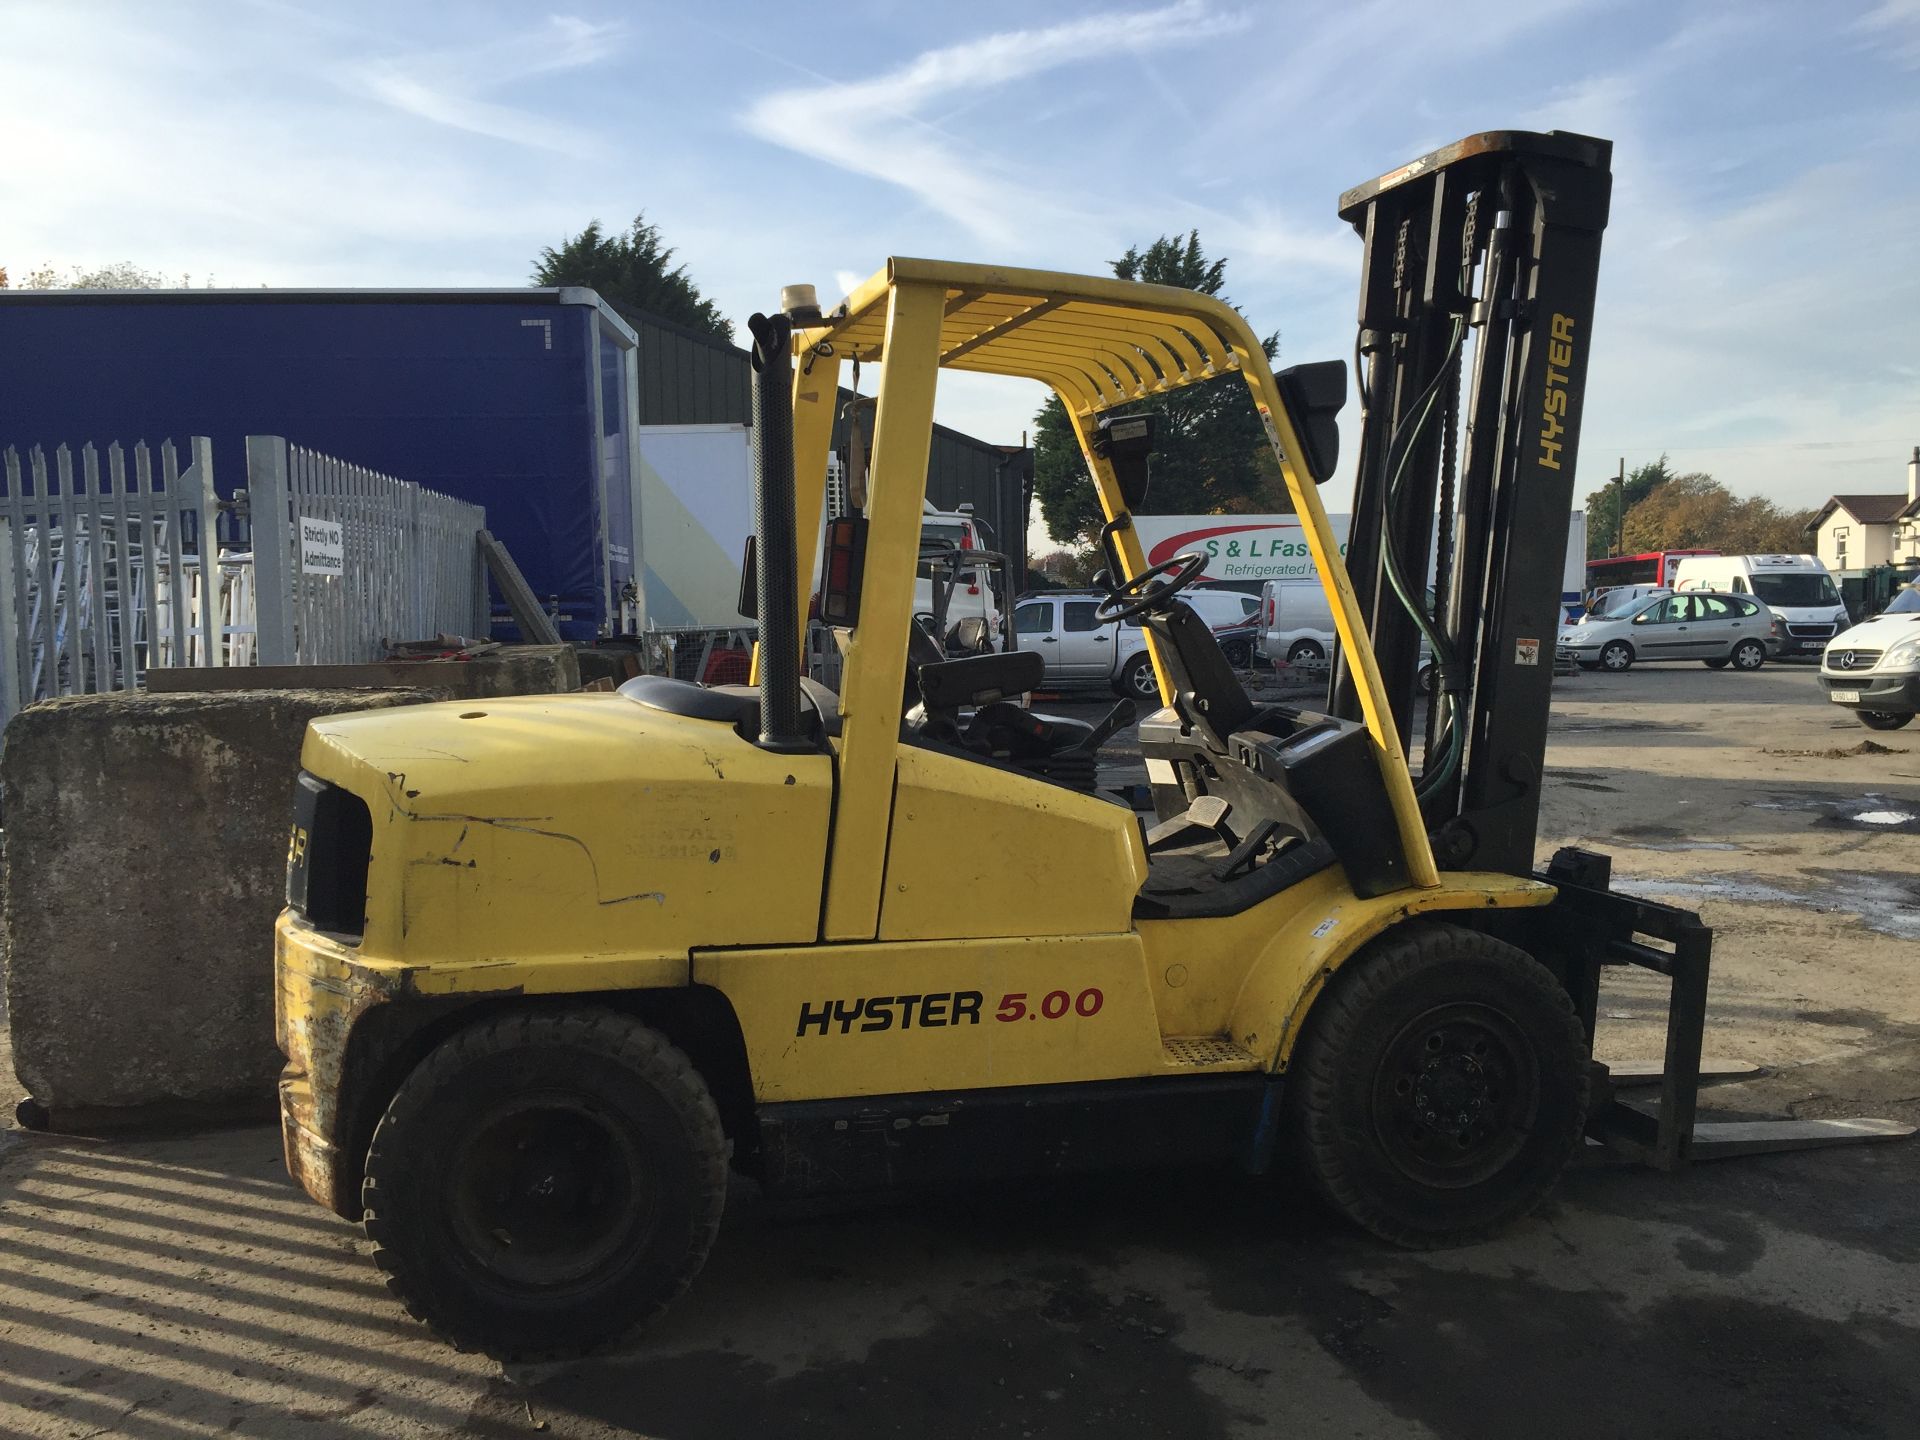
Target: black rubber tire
(1748, 655)
(1719, 664)
(1137, 680)
(1349, 1134)
(1588, 664)
(1239, 654)
(590, 1070)
(1882, 719)
(1306, 652)
(1616, 657)
(30, 1114)
(1427, 677)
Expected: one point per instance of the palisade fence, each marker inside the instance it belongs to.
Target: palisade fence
(364, 558)
(117, 561)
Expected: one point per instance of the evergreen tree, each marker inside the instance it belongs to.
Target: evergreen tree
(633, 268)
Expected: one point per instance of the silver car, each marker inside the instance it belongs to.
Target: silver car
(1706, 625)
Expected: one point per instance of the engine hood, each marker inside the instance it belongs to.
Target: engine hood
(575, 825)
(1881, 633)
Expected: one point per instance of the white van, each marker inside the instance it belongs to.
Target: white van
(973, 590)
(1797, 588)
(1296, 622)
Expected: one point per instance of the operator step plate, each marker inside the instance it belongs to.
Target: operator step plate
(1206, 1052)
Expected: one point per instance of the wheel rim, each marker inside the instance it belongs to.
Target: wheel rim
(1614, 657)
(1304, 653)
(1748, 657)
(1145, 682)
(1455, 1096)
(546, 1192)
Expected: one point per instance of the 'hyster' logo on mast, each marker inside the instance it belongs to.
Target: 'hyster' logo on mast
(1554, 415)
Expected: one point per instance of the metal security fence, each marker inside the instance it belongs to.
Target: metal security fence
(118, 560)
(110, 563)
(362, 558)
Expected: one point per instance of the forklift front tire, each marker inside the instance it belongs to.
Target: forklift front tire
(545, 1181)
(1440, 1087)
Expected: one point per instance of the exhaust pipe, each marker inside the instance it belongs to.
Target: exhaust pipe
(777, 579)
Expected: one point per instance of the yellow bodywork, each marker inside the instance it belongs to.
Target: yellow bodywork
(881, 919)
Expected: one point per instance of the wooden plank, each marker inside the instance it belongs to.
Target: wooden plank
(536, 626)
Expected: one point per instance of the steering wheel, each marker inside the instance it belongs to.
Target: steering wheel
(1150, 589)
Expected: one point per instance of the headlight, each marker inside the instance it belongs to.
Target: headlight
(1903, 655)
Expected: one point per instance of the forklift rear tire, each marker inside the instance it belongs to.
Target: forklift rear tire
(545, 1181)
(1137, 680)
(1440, 1087)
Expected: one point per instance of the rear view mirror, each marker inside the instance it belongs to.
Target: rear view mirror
(1125, 442)
(1314, 395)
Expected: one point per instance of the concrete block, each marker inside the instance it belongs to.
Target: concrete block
(146, 841)
(510, 670)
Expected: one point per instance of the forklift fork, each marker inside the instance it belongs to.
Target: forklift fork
(1597, 927)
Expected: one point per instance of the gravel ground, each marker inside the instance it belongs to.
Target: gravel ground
(177, 1285)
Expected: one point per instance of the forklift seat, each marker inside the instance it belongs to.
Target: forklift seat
(738, 705)
(1207, 692)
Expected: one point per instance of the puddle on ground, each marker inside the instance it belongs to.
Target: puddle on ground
(1684, 845)
(1872, 811)
(1592, 726)
(1885, 902)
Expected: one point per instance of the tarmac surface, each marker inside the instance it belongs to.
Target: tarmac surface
(178, 1285)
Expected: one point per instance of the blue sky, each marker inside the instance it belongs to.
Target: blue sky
(1760, 286)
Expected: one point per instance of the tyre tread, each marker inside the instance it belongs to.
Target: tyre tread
(1316, 1073)
(593, 1028)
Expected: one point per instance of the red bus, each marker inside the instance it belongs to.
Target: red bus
(1656, 567)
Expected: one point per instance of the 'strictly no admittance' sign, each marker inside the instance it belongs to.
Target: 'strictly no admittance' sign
(323, 547)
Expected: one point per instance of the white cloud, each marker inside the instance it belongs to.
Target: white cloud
(1897, 23)
(447, 86)
(879, 127)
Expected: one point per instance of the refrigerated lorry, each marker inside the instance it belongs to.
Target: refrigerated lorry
(520, 400)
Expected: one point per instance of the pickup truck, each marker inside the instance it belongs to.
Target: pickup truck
(1079, 650)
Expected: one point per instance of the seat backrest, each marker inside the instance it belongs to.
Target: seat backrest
(1207, 693)
(979, 679)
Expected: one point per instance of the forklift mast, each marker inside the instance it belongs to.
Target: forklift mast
(1488, 247)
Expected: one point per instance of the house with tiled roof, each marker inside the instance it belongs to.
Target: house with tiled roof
(1858, 532)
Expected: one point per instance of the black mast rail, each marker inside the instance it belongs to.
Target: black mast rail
(1490, 245)
(1490, 248)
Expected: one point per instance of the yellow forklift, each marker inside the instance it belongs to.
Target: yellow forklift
(550, 966)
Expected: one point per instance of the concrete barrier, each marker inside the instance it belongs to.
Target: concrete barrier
(146, 840)
(509, 670)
